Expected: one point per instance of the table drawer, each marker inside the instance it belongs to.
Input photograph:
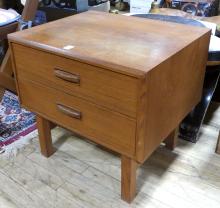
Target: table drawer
(110, 129)
(115, 91)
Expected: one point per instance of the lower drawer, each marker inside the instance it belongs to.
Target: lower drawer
(107, 128)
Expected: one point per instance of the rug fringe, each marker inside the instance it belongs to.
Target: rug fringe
(12, 150)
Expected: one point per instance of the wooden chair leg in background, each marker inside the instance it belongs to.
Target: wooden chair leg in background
(2, 91)
(128, 178)
(171, 140)
(44, 131)
(6, 71)
(218, 145)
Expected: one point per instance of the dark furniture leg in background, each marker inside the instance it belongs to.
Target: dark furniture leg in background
(190, 126)
(218, 145)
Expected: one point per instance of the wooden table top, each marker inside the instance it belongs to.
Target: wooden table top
(127, 45)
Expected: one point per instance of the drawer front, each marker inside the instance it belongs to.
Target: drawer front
(110, 129)
(106, 88)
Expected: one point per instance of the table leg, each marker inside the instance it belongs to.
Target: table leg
(171, 140)
(128, 178)
(218, 145)
(44, 130)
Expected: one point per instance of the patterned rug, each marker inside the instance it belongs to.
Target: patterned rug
(17, 125)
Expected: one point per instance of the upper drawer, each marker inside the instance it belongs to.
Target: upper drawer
(112, 90)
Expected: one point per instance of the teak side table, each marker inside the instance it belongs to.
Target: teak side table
(125, 86)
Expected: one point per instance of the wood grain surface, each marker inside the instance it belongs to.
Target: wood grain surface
(128, 178)
(111, 90)
(123, 82)
(171, 91)
(44, 132)
(128, 45)
(110, 129)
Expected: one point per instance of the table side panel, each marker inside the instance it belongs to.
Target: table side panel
(171, 90)
(112, 90)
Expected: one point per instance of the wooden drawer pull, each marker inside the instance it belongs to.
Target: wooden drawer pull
(75, 78)
(69, 111)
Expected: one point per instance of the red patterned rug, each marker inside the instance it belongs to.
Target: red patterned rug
(17, 125)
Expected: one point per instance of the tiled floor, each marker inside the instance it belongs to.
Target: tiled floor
(81, 174)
